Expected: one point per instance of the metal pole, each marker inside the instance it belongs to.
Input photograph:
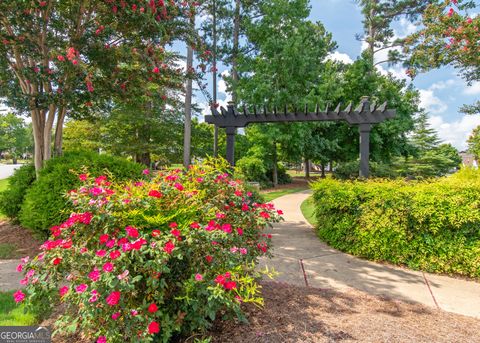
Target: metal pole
(365, 149)
(231, 145)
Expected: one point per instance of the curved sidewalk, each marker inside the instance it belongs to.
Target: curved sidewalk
(302, 259)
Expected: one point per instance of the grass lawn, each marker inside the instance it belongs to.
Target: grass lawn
(7, 250)
(12, 314)
(277, 194)
(3, 186)
(308, 211)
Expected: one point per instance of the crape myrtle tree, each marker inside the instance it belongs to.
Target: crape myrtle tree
(449, 36)
(63, 56)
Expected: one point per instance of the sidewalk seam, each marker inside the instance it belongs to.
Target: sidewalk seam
(430, 290)
(303, 270)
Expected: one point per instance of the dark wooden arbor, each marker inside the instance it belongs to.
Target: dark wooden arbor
(365, 115)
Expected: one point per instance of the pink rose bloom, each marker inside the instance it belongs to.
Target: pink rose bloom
(243, 251)
(30, 273)
(83, 250)
(115, 254)
(25, 259)
(134, 312)
(19, 268)
(101, 253)
(198, 277)
(113, 298)
(63, 291)
(146, 172)
(110, 244)
(24, 281)
(81, 288)
(93, 298)
(107, 267)
(115, 315)
(233, 250)
(240, 231)
(94, 275)
(18, 296)
(179, 187)
(131, 231)
(102, 339)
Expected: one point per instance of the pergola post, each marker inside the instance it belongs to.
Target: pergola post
(365, 149)
(231, 144)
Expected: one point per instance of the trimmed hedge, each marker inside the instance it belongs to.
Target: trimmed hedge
(432, 225)
(45, 205)
(11, 199)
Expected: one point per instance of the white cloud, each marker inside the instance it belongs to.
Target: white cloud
(406, 28)
(431, 103)
(474, 89)
(442, 84)
(341, 57)
(456, 132)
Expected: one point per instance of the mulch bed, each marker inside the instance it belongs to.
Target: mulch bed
(304, 315)
(24, 241)
(300, 314)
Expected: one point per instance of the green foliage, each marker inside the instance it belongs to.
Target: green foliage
(12, 198)
(171, 251)
(474, 142)
(431, 226)
(255, 169)
(81, 135)
(45, 204)
(350, 170)
(15, 135)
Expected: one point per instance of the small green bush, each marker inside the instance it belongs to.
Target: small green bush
(254, 169)
(350, 170)
(431, 225)
(11, 200)
(45, 204)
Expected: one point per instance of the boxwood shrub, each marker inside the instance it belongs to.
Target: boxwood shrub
(431, 225)
(44, 204)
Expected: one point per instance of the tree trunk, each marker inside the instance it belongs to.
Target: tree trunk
(187, 136)
(323, 170)
(144, 158)
(235, 53)
(58, 145)
(37, 139)
(47, 132)
(214, 75)
(275, 166)
(307, 168)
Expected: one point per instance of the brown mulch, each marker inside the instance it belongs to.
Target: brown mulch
(24, 241)
(308, 315)
(300, 314)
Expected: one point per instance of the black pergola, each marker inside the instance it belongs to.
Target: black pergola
(365, 115)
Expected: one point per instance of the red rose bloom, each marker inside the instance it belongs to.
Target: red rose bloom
(154, 193)
(153, 328)
(152, 308)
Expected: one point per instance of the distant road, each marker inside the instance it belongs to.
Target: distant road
(6, 170)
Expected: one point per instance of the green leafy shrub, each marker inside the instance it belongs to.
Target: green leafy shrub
(431, 226)
(150, 259)
(44, 203)
(11, 199)
(254, 169)
(350, 170)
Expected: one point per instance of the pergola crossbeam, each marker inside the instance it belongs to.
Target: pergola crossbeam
(365, 115)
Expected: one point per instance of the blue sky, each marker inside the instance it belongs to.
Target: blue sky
(442, 91)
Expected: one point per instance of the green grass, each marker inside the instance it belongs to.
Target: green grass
(277, 194)
(308, 211)
(3, 184)
(13, 314)
(7, 251)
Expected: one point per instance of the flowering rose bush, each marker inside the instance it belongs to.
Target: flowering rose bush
(151, 258)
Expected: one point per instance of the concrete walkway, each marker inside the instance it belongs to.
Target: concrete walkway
(302, 259)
